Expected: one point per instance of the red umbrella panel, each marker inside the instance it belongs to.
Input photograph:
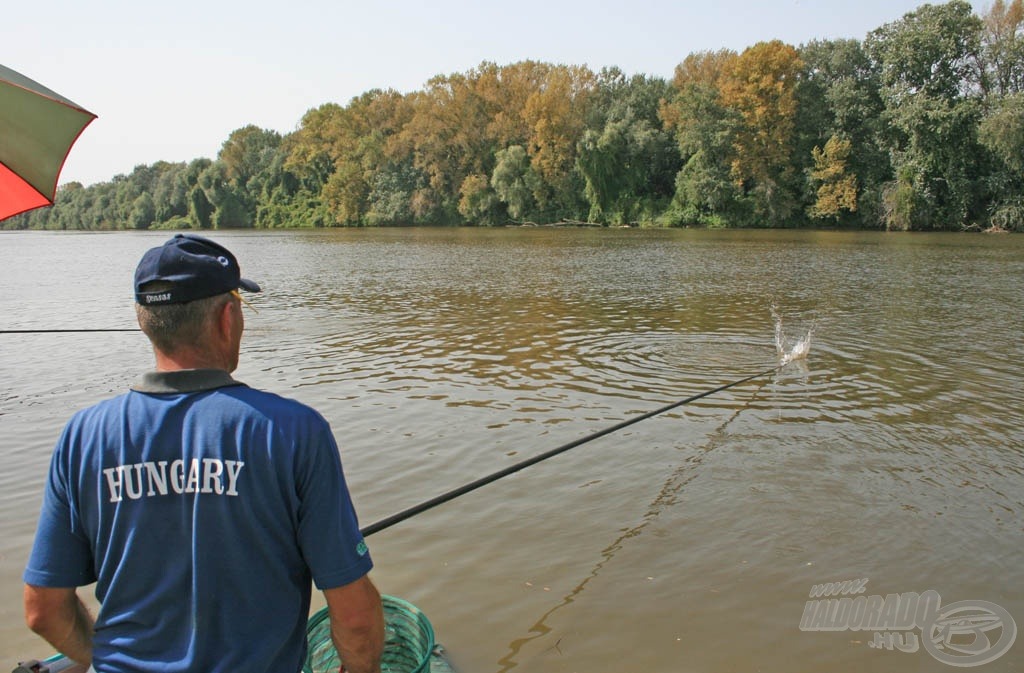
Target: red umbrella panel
(37, 129)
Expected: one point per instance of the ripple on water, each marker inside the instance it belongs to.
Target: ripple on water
(441, 356)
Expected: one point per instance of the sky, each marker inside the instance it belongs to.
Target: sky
(171, 80)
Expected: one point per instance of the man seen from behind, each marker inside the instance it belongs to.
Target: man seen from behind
(202, 509)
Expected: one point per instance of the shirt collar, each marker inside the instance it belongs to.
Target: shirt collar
(184, 381)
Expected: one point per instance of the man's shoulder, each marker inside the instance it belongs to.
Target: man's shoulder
(101, 418)
(268, 403)
(238, 401)
(111, 405)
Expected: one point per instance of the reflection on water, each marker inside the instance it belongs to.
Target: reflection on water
(666, 497)
(888, 449)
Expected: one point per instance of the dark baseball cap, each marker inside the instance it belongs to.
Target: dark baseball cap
(195, 267)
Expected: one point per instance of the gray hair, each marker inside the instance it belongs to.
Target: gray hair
(172, 327)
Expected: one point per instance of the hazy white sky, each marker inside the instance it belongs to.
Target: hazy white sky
(171, 80)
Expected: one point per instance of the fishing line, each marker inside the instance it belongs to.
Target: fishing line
(672, 485)
(62, 331)
(511, 469)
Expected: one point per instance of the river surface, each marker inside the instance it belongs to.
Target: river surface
(893, 452)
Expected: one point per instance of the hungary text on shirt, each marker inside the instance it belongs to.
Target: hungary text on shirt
(149, 479)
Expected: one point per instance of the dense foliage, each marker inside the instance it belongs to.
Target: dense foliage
(920, 126)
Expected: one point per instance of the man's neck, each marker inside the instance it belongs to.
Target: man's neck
(172, 362)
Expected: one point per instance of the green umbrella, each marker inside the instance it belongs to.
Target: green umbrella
(37, 129)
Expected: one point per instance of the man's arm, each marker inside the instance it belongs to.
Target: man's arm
(357, 625)
(59, 616)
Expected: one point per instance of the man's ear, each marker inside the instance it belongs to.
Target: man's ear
(226, 318)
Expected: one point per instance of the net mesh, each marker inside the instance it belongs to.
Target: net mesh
(408, 640)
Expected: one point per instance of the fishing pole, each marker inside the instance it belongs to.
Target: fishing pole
(62, 331)
(511, 469)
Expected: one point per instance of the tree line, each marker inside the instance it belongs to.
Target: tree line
(919, 126)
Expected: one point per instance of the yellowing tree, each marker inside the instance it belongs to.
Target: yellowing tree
(1003, 47)
(837, 190)
(707, 68)
(556, 114)
(505, 91)
(443, 132)
(761, 88)
(350, 145)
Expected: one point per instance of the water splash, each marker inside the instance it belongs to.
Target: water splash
(789, 353)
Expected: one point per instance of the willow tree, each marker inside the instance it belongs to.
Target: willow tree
(627, 157)
(515, 182)
(705, 192)
(1002, 133)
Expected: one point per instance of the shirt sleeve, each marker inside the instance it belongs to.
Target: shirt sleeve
(61, 555)
(328, 531)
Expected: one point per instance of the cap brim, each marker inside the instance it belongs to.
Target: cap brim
(248, 285)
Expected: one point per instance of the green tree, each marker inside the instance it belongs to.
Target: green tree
(246, 157)
(170, 193)
(628, 158)
(932, 51)
(479, 203)
(399, 195)
(1002, 133)
(346, 192)
(704, 128)
(200, 210)
(928, 62)
(229, 206)
(246, 152)
(839, 96)
(1001, 129)
(515, 183)
(143, 212)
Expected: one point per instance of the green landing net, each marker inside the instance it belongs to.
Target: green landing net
(408, 640)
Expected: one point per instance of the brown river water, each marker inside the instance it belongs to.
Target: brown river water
(890, 457)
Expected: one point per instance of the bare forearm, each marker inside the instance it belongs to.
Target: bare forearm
(77, 644)
(360, 649)
(61, 618)
(357, 625)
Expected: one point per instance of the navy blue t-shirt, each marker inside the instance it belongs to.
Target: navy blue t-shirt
(202, 517)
